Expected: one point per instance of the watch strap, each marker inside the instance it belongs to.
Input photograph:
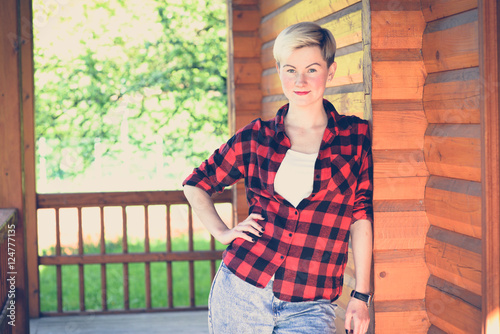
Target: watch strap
(362, 296)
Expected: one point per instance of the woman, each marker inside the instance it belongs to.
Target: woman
(308, 183)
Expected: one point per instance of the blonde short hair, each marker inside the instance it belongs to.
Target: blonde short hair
(305, 34)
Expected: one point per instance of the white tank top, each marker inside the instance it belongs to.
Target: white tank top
(295, 177)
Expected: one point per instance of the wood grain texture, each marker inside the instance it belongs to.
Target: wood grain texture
(444, 148)
(398, 80)
(348, 103)
(246, 20)
(267, 7)
(247, 97)
(28, 112)
(398, 163)
(12, 145)
(454, 264)
(396, 322)
(119, 199)
(400, 274)
(397, 29)
(246, 46)
(346, 29)
(401, 316)
(247, 71)
(400, 230)
(490, 119)
(398, 188)
(451, 314)
(453, 97)
(437, 9)
(391, 126)
(454, 205)
(451, 49)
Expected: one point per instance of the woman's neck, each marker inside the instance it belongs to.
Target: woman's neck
(307, 117)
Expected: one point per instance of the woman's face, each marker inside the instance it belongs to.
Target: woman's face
(304, 75)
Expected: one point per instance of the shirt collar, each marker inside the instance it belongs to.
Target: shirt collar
(334, 121)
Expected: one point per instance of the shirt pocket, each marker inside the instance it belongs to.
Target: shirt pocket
(345, 172)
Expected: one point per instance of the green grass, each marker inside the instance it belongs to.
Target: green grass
(114, 275)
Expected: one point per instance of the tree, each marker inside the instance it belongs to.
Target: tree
(125, 79)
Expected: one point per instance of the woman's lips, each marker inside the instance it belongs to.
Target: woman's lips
(301, 93)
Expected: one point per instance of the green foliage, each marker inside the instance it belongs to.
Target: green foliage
(122, 77)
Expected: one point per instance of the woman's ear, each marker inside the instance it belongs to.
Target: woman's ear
(331, 71)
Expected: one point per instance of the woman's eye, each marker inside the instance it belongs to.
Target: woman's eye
(312, 70)
(291, 71)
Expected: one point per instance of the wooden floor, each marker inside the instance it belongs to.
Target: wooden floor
(151, 323)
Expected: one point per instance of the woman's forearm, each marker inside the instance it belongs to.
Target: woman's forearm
(361, 236)
(204, 208)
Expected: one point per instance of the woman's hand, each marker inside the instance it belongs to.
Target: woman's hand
(242, 230)
(357, 312)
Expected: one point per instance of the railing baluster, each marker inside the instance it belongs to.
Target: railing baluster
(80, 266)
(212, 262)
(147, 265)
(170, 288)
(191, 263)
(58, 267)
(104, 297)
(126, 299)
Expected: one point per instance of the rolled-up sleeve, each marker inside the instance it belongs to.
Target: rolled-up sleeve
(222, 169)
(363, 202)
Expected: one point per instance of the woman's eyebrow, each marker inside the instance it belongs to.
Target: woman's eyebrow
(313, 65)
(285, 65)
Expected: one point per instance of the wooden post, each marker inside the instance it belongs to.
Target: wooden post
(489, 59)
(16, 139)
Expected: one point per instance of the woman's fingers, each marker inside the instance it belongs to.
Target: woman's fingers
(249, 229)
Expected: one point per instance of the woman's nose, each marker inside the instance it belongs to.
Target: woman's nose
(301, 79)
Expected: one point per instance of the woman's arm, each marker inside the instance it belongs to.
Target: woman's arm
(357, 310)
(204, 208)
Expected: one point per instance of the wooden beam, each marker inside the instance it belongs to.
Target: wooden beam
(12, 145)
(454, 258)
(454, 205)
(120, 198)
(28, 111)
(130, 257)
(453, 96)
(444, 147)
(443, 50)
(437, 9)
(450, 313)
(489, 59)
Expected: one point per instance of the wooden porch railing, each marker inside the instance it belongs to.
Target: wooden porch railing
(8, 219)
(124, 200)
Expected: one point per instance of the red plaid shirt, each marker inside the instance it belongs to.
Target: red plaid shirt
(305, 247)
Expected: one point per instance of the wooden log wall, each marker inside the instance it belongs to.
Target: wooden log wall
(452, 149)
(245, 102)
(400, 173)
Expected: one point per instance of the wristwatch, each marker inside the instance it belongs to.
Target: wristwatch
(367, 298)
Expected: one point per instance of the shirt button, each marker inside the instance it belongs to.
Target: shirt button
(296, 212)
(289, 234)
(282, 257)
(318, 176)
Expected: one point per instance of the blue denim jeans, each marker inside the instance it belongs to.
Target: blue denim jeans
(237, 307)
